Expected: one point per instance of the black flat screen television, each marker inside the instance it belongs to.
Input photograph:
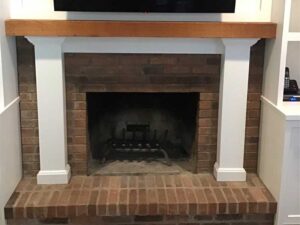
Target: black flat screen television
(151, 6)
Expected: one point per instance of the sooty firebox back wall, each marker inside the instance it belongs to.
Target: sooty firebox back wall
(110, 113)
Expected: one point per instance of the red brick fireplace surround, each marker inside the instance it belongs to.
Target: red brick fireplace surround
(74, 58)
(136, 73)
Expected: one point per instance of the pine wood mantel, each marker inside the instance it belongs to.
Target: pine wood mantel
(88, 28)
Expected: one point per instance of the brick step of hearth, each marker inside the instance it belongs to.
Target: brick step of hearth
(226, 219)
(154, 195)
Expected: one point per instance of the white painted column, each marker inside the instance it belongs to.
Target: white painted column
(232, 110)
(50, 80)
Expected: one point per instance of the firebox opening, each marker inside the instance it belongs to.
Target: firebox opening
(136, 133)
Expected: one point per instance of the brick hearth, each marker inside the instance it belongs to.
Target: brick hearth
(98, 73)
(193, 195)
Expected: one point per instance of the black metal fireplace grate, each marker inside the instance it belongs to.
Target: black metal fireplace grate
(138, 138)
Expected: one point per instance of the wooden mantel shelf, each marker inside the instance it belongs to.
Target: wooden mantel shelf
(84, 28)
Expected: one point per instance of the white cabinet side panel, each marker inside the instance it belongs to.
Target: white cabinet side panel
(271, 148)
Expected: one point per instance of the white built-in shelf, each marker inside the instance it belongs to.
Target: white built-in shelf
(291, 44)
(293, 36)
(291, 110)
(280, 131)
(294, 25)
(293, 62)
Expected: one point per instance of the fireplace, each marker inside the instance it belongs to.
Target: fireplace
(136, 133)
(222, 123)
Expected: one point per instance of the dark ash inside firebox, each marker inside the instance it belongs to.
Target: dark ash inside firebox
(151, 129)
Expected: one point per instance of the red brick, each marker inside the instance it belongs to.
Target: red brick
(31, 204)
(181, 201)
(28, 105)
(202, 202)
(252, 205)
(152, 201)
(92, 205)
(133, 182)
(133, 201)
(169, 181)
(178, 181)
(207, 122)
(115, 182)
(209, 96)
(162, 60)
(150, 181)
(162, 202)
(231, 201)
(187, 181)
(52, 204)
(102, 203)
(159, 182)
(113, 202)
(29, 114)
(243, 203)
(222, 204)
(123, 202)
(62, 204)
(105, 180)
(73, 201)
(212, 202)
(172, 202)
(142, 202)
(208, 105)
(192, 201)
(141, 182)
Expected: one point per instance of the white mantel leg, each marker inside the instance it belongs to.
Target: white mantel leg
(49, 61)
(232, 110)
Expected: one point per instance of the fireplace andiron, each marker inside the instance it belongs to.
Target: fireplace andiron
(136, 139)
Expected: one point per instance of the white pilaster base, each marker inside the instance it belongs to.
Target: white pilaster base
(229, 174)
(54, 176)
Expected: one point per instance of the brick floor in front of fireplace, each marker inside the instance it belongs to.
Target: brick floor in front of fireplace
(151, 195)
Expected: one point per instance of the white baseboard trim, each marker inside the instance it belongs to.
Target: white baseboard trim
(229, 174)
(54, 176)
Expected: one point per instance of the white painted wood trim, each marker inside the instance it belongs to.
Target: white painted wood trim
(51, 94)
(293, 36)
(289, 110)
(54, 176)
(143, 45)
(50, 79)
(232, 110)
(279, 160)
(229, 174)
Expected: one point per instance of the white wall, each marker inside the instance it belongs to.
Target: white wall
(10, 157)
(10, 153)
(8, 69)
(246, 10)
